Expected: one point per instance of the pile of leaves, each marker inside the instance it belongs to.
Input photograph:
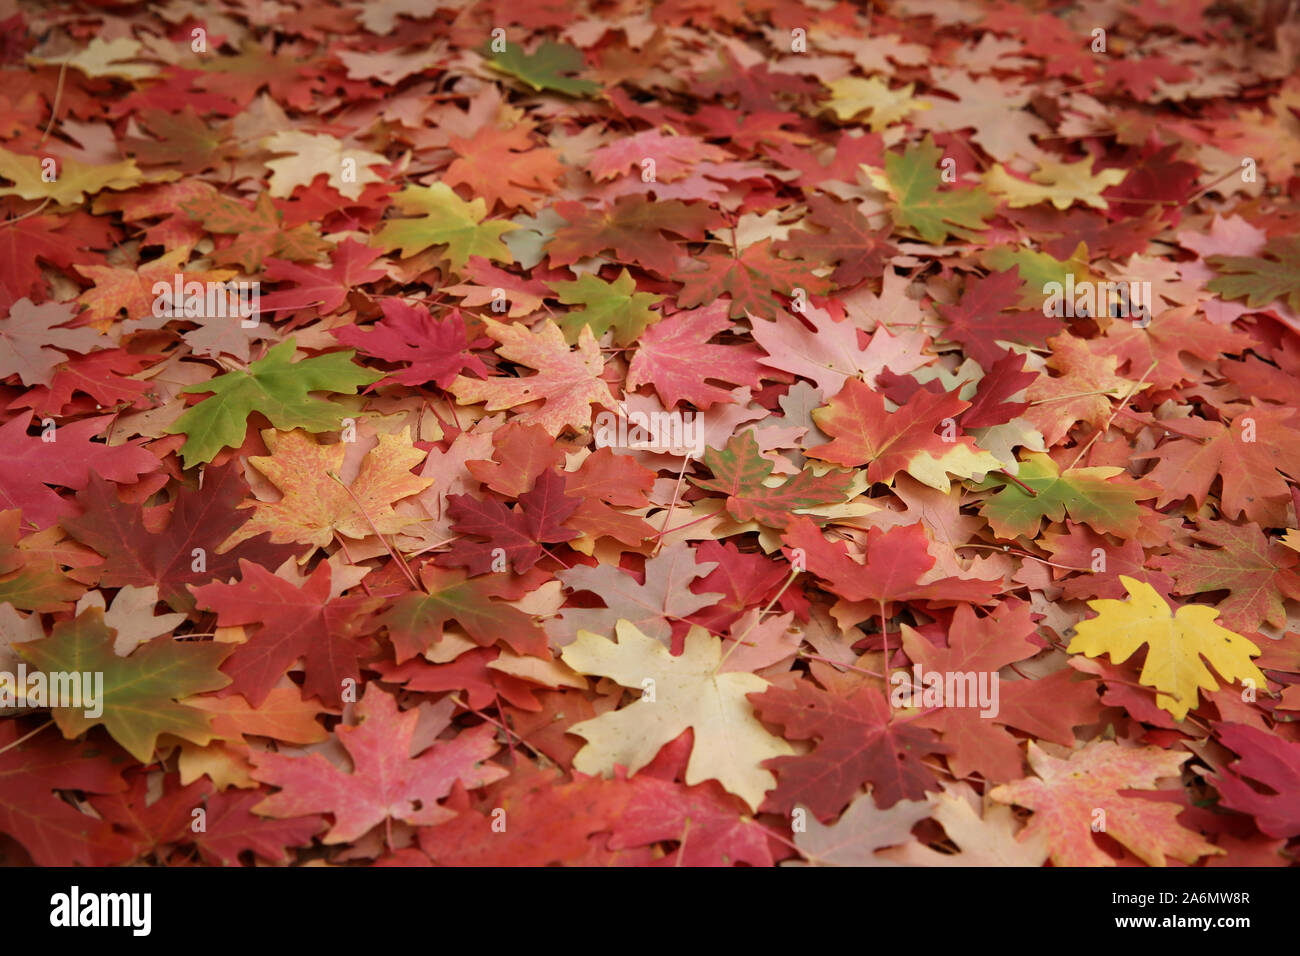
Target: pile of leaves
(390, 573)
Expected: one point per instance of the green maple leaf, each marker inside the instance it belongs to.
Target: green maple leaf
(546, 68)
(274, 386)
(1088, 495)
(445, 220)
(750, 281)
(415, 620)
(913, 178)
(1262, 280)
(739, 472)
(1037, 269)
(606, 305)
(141, 692)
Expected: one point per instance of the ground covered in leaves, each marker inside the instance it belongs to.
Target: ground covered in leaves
(712, 432)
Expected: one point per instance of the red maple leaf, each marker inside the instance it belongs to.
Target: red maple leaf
(64, 457)
(437, 350)
(140, 550)
(296, 622)
(676, 358)
(514, 539)
(387, 782)
(858, 742)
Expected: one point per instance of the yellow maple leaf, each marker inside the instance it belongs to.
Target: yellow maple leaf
(961, 461)
(676, 693)
(107, 58)
(853, 95)
(71, 182)
(315, 506)
(1176, 644)
(1061, 184)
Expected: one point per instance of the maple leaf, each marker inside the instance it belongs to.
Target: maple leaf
(832, 353)
(1176, 643)
(676, 358)
(863, 433)
(437, 350)
(606, 305)
(1082, 393)
(846, 239)
(33, 341)
(911, 179)
(674, 156)
(140, 695)
(663, 596)
(231, 828)
(325, 290)
(25, 243)
(1255, 572)
(132, 289)
(315, 506)
(478, 605)
(184, 551)
(632, 228)
(566, 385)
(444, 219)
(519, 454)
(1273, 762)
(741, 473)
(852, 95)
(1067, 793)
(64, 456)
(1090, 496)
(258, 232)
(72, 181)
(182, 141)
(555, 822)
(992, 108)
(387, 781)
(989, 313)
(729, 743)
(549, 67)
(53, 831)
(150, 826)
(502, 166)
(987, 839)
(993, 402)
(516, 537)
(31, 577)
(860, 831)
(1061, 184)
(606, 479)
(749, 281)
(1261, 280)
(274, 386)
(1244, 455)
(318, 154)
(985, 646)
(283, 715)
(857, 743)
(298, 621)
(896, 561)
(717, 833)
